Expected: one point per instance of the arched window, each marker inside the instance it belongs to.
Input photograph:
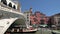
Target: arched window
(10, 5)
(14, 7)
(4, 2)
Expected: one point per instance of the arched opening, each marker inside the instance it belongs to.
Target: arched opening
(10, 5)
(14, 7)
(4, 2)
(16, 26)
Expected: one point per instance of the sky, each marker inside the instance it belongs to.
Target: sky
(48, 7)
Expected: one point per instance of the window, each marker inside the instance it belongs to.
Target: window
(27, 20)
(10, 4)
(27, 14)
(58, 20)
(30, 23)
(27, 17)
(4, 2)
(14, 7)
(35, 19)
(42, 22)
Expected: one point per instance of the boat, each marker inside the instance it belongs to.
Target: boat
(30, 31)
(22, 30)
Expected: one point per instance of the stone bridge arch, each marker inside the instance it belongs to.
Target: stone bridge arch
(16, 22)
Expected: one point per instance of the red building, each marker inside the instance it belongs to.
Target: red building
(38, 18)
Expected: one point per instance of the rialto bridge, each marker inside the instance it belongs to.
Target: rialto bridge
(9, 13)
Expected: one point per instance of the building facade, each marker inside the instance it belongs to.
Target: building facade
(28, 14)
(55, 20)
(39, 18)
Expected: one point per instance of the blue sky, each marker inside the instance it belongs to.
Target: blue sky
(48, 7)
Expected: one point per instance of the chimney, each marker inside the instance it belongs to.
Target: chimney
(31, 10)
